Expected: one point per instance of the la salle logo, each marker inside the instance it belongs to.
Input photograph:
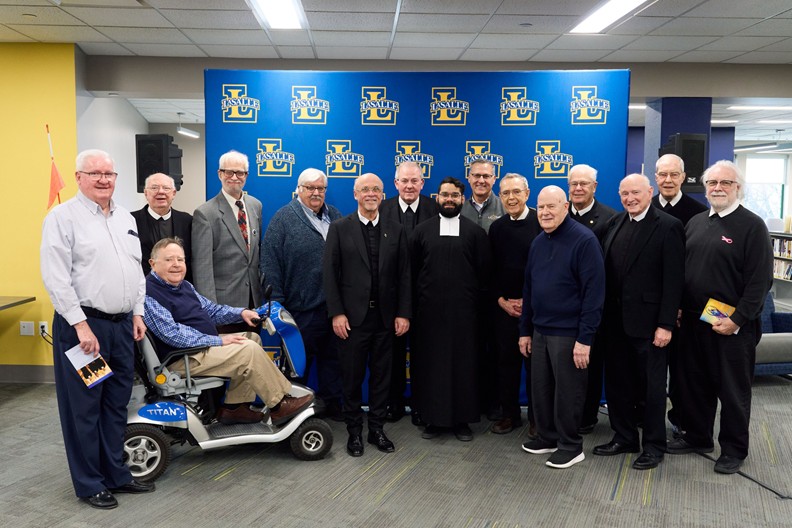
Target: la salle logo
(271, 160)
(410, 150)
(480, 150)
(516, 109)
(341, 162)
(237, 106)
(306, 108)
(446, 109)
(549, 161)
(587, 108)
(376, 108)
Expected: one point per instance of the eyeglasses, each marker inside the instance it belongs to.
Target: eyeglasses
(515, 192)
(725, 184)
(96, 176)
(480, 176)
(454, 195)
(311, 189)
(158, 188)
(238, 174)
(584, 184)
(664, 175)
(366, 190)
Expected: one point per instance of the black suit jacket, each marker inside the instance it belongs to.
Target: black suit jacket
(147, 230)
(346, 271)
(427, 208)
(651, 289)
(685, 209)
(597, 219)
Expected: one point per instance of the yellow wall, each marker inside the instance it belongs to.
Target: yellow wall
(37, 87)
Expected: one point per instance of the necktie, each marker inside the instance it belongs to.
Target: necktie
(242, 221)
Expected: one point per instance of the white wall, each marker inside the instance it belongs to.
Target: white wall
(193, 191)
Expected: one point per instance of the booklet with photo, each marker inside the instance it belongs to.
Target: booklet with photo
(92, 370)
(715, 310)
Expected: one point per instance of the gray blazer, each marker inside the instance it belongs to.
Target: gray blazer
(223, 270)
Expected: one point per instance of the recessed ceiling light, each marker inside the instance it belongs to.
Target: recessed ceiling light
(278, 14)
(607, 15)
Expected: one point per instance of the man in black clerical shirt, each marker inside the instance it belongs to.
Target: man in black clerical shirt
(669, 175)
(728, 258)
(159, 220)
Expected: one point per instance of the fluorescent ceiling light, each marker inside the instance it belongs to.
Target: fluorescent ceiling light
(277, 14)
(757, 146)
(760, 108)
(607, 15)
(775, 121)
(637, 107)
(186, 131)
(723, 121)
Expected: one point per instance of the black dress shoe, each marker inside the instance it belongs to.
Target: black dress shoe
(614, 448)
(394, 413)
(103, 500)
(680, 446)
(431, 431)
(134, 487)
(728, 464)
(416, 419)
(355, 445)
(647, 461)
(378, 438)
(463, 433)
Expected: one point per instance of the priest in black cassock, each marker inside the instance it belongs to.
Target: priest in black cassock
(451, 266)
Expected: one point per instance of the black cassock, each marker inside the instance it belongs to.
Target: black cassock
(450, 277)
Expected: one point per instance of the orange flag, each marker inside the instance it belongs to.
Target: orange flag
(56, 182)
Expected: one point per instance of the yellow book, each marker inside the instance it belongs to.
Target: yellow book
(716, 310)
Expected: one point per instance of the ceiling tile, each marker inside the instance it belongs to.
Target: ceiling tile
(440, 40)
(98, 16)
(539, 24)
(42, 15)
(450, 23)
(638, 25)
(577, 8)
(354, 21)
(351, 38)
(763, 57)
(246, 52)
(145, 35)
(296, 52)
(706, 56)
(768, 28)
(444, 54)
(372, 6)
(166, 50)
(669, 8)
(198, 19)
(738, 8)
(640, 56)
(103, 48)
(784, 45)
(61, 33)
(705, 26)
(741, 43)
(498, 55)
(352, 53)
(233, 5)
(502, 40)
(9, 35)
(240, 37)
(569, 55)
(480, 7)
(290, 37)
(668, 43)
(591, 42)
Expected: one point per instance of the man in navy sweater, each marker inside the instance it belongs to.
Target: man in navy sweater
(563, 294)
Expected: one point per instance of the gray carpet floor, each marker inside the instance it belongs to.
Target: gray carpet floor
(489, 482)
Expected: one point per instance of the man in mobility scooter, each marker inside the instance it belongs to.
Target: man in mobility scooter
(179, 317)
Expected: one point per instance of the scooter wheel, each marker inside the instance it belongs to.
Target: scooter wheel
(312, 440)
(146, 452)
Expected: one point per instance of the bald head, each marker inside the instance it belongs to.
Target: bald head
(368, 193)
(635, 192)
(551, 207)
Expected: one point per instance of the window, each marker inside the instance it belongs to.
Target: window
(764, 189)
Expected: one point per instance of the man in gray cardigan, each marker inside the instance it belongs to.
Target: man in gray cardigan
(291, 261)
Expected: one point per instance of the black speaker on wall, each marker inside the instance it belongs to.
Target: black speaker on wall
(694, 151)
(157, 153)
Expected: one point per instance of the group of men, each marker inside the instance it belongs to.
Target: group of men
(475, 289)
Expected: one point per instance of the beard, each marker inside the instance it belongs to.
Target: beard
(452, 211)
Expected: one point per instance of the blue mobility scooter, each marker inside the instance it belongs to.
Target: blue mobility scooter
(168, 408)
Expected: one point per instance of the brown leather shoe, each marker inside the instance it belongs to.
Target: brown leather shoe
(505, 425)
(289, 406)
(239, 415)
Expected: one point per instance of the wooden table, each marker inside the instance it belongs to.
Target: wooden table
(7, 301)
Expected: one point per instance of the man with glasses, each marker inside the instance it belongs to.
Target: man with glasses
(90, 264)
(291, 261)
(482, 207)
(669, 175)
(225, 239)
(510, 238)
(595, 215)
(159, 220)
(366, 276)
(451, 271)
(409, 208)
(728, 258)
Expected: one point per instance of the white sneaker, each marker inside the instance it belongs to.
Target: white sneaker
(564, 459)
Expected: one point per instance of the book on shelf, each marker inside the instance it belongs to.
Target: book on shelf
(715, 310)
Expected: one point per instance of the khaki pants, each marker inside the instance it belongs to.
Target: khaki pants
(250, 368)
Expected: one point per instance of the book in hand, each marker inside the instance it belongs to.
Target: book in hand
(92, 370)
(715, 310)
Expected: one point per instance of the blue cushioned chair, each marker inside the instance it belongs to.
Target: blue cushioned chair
(774, 351)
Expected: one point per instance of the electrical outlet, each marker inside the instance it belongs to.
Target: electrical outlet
(43, 327)
(26, 328)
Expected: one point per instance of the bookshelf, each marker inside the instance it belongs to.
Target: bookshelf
(782, 270)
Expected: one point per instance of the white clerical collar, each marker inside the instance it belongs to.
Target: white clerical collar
(583, 211)
(522, 216)
(404, 205)
(157, 216)
(729, 210)
(673, 202)
(449, 226)
(365, 220)
(639, 217)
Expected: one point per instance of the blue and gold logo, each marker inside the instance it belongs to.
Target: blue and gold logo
(446, 109)
(516, 109)
(586, 108)
(376, 108)
(549, 161)
(271, 160)
(237, 106)
(306, 109)
(480, 150)
(341, 162)
(410, 150)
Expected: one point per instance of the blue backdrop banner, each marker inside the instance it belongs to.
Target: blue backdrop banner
(536, 123)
